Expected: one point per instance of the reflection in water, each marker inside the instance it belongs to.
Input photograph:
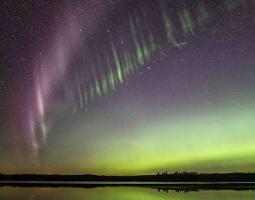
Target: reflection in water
(196, 189)
(117, 193)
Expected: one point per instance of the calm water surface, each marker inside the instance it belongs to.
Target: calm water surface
(119, 193)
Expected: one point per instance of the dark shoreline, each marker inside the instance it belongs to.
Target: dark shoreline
(164, 177)
(181, 180)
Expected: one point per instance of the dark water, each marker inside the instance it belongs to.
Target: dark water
(119, 193)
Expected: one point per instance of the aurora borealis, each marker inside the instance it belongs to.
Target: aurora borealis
(127, 87)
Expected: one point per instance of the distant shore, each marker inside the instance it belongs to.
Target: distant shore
(177, 179)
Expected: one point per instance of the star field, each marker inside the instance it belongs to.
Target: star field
(125, 87)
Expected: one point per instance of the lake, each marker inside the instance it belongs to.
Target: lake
(120, 193)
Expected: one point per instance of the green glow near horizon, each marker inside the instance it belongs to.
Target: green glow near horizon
(194, 140)
(215, 140)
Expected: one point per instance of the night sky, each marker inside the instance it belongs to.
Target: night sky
(127, 86)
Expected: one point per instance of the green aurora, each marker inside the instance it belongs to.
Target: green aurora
(177, 98)
(217, 140)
